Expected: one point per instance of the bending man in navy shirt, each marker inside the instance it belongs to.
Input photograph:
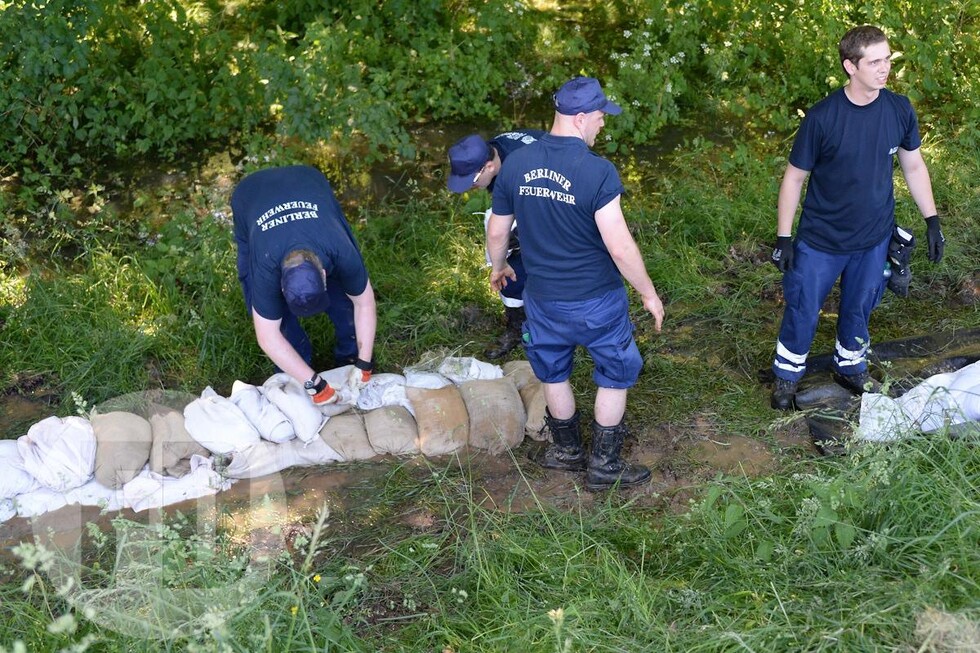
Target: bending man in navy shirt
(577, 248)
(297, 257)
(846, 145)
(475, 163)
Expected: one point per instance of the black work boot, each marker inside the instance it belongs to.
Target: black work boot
(512, 335)
(565, 451)
(783, 394)
(858, 383)
(606, 468)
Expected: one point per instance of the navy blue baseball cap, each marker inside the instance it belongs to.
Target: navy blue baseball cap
(467, 157)
(583, 95)
(304, 290)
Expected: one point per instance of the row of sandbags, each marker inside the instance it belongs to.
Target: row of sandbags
(459, 404)
(260, 430)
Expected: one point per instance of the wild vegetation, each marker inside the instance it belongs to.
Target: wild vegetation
(127, 125)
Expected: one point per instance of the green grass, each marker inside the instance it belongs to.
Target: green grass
(842, 554)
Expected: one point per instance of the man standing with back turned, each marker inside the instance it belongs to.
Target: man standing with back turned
(846, 144)
(577, 248)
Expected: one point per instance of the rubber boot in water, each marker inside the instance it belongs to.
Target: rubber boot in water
(512, 335)
(606, 468)
(565, 451)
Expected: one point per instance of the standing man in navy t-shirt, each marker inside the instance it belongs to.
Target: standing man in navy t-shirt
(297, 257)
(577, 248)
(475, 163)
(846, 144)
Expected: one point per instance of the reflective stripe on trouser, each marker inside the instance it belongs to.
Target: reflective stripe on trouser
(806, 286)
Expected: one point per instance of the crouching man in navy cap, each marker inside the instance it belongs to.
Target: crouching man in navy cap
(297, 257)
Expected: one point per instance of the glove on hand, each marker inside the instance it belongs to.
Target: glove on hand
(935, 240)
(359, 374)
(782, 253)
(320, 391)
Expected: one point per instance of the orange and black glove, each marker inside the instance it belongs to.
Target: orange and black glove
(360, 374)
(320, 391)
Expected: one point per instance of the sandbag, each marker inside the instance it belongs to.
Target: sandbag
(123, 442)
(269, 457)
(520, 372)
(173, 446)
(384, 389)
(442, 419)
(290, 397)
(14, 479)
(59, 452)
(462, 369)
(496, 414)
(423, 379)
(267, 419)
(346, 435)
(532, 396)
(392, 429)
(217, 424)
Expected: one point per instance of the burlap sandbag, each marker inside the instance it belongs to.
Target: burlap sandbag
(532, 396)
(346, 435)
(441, 415)
(173, 446)
(519, 372)
(392, 429)
(123, 442)
(496, 414)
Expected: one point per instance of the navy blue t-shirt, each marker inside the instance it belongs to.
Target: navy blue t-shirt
(279, 210)
(554, 187)
(849, 151)
(510, 141)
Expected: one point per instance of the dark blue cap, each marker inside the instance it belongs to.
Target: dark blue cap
(304, 290)
(583, 95)
(466, 158)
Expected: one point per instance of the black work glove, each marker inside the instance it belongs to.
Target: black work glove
(782, 253)
(935, 240)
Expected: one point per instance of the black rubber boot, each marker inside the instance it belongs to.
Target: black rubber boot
(565, 451)
(512, 336)
(606, 468)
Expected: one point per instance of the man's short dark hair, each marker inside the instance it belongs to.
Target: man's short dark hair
(851, 47)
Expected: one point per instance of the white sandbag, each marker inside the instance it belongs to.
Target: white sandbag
(173, 446)
(268, 458)
(940, 401)
(442, 419)
(123, 442)
(520, 372)
(59, 452)
(532, 396)
(150, 490)
(346, 435)
(7, 510)
(290, 397)
(217, 424)
(94, 493)
(392, 430)
(496, 414)
(339, 378)
(39, 501)
(430, 380)
(14, 479)
(384, 390)
(267, 419)
(459, 370)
